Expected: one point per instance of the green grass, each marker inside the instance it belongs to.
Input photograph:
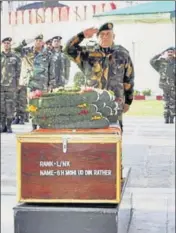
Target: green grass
(146, 108)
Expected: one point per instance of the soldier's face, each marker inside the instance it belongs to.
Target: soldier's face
(7, 45)
(49, 46)
(56, 43)
(106, 38)
(170, 53)
(39, 43)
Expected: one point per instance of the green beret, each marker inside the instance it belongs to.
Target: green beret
(39, 37)
(106, 26)
(9, 39)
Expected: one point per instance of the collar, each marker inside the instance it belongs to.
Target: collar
(7, 54)
(106, 50)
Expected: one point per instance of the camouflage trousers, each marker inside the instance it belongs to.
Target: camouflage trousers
(21, 102)
(8, 96)
(169, 102)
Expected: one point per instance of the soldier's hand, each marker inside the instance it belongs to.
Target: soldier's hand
(126, 108)
(27, 41)
(24, 43)
(164, 55)
(88, 33)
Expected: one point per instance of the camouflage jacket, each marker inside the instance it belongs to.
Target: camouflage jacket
(10, 69)
(59, 68)
(166, 69)
(112, 71)
(35, 68)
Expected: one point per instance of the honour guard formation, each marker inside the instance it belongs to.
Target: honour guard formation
(45, 65)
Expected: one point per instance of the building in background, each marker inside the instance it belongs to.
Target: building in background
(143, 39)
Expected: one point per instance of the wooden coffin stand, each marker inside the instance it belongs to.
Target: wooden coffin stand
(70, 181)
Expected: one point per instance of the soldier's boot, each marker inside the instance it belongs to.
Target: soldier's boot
(166, 120)
(21, 121)
(26, 120)
(16, 121)
(26, 117)
(34, 127)
(9, 125)
(3, 126)
(167, 117)
(171, 119)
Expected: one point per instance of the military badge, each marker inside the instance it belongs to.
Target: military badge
(109, 25)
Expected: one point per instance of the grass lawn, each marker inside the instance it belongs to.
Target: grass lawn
(146, 108)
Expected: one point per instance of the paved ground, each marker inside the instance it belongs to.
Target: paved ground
(148, 147)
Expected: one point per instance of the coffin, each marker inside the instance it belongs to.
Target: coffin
(70, 166)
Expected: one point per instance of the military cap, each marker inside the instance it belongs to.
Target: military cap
(48, 41)
(39, 37)
(7, 39)
(57, 38)
(171, 48)
(106, 26)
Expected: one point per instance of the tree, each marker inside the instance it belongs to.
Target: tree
(79, 79)
(147, 92)
(136, 92)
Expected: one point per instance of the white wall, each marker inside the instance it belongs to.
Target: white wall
(148, 40)
(142, 40)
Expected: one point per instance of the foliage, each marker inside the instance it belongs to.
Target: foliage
(147, 92)
(136, 92)
(79, 79)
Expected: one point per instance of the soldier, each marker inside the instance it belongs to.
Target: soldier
(10, 73)
(35, 67)
(21, 103)
(164, 64)
(48, 45)
(109, 66)
(60, 64)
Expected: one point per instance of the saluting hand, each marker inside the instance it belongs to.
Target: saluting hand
(164, 55)
(88, 33)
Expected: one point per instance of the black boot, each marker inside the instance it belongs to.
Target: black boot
(3, 126)
(171, 120)
(3, 129)
(16, 121)
(34, 127)
(26, 117)
(9, 126)
(167, 120)
(26, 120)
(21, 121)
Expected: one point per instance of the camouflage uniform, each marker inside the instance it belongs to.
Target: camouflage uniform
(109, 68)
(67, 65)
(60, 65)
(59, 68)
(35, 69)
(166, 69)
(21, 103)
(10, 73)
